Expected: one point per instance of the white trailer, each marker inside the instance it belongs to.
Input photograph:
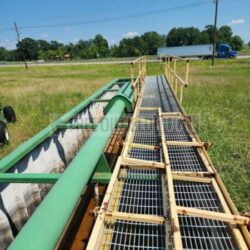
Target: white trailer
(200, 51)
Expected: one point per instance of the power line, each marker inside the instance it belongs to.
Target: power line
(96, 10)
(101, 20)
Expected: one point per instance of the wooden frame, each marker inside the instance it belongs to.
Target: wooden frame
(188, 144)
(229, 215)
(229, 218)
(137, 82)
(99, 224)
(133, 161)
(174, 79)
(191, 178)
(193, 174)
(173, 211)
(154, 219)
(143, 146)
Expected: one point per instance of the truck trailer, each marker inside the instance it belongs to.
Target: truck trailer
(201, 51)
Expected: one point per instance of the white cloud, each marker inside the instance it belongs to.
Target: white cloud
(130, 34)
(44, 35)
(112, 42)
(237, 21)
(75, 40)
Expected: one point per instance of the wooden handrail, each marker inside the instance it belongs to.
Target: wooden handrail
(138, 65)
(176, 82)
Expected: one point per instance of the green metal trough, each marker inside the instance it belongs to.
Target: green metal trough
(45, 226)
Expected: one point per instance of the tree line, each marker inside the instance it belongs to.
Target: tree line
(98, 46)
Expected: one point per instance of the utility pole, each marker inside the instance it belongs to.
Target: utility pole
(19, 40)
(215, 28)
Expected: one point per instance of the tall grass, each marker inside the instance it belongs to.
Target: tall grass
(218, 99)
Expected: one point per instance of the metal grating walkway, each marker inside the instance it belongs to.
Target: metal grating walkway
(164, 192)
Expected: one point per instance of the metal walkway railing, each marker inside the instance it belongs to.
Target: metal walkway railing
(164, 192)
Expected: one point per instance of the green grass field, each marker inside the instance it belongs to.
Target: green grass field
(218, 99)
(245, 51)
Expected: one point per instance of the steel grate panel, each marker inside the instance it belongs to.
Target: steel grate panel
(151, 102)
(166, 95)
(158, 94)
(141, 192)
(146, 134)
(197, 195)
(199, 233)
(165, 104)
(184, 158)
(150, 92)
(133, 235)
(175, 130)
(145, 154)
(148, 114)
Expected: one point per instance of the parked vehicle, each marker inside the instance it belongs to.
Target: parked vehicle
(225, 51)
(200, 51)
(7, 114)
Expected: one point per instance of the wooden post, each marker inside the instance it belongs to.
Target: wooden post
(173, 75)
(132, 72)
(187, 72)
(169, 68)
(175, 79)
(181, 93)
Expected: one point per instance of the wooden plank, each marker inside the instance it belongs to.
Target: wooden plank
(193, 174)
(154, 219)
(243, 229)
(235, 231)
(148, 108)
(96, 234)
(172, 114)
(191, 179)
(186, 143)
(143, 146)
(167, 224)
(153, 164)
(204, 159)
(173, 209)
(99, 224)
(232, 219)
(172, 203)
(143, 120)
(142, 167)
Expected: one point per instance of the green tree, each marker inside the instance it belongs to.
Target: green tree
(48, 55)
(3, 53)
(183, 36)
(204, 37)
(90, 52)
(11, 55)
(209, 30)
(225, 34)
(102, 46)
(128, 47)
(237, 43)
(151, 41)
(29, 47)
(43, 45)
(54, 45)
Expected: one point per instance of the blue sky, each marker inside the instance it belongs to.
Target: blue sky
(71, 20)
